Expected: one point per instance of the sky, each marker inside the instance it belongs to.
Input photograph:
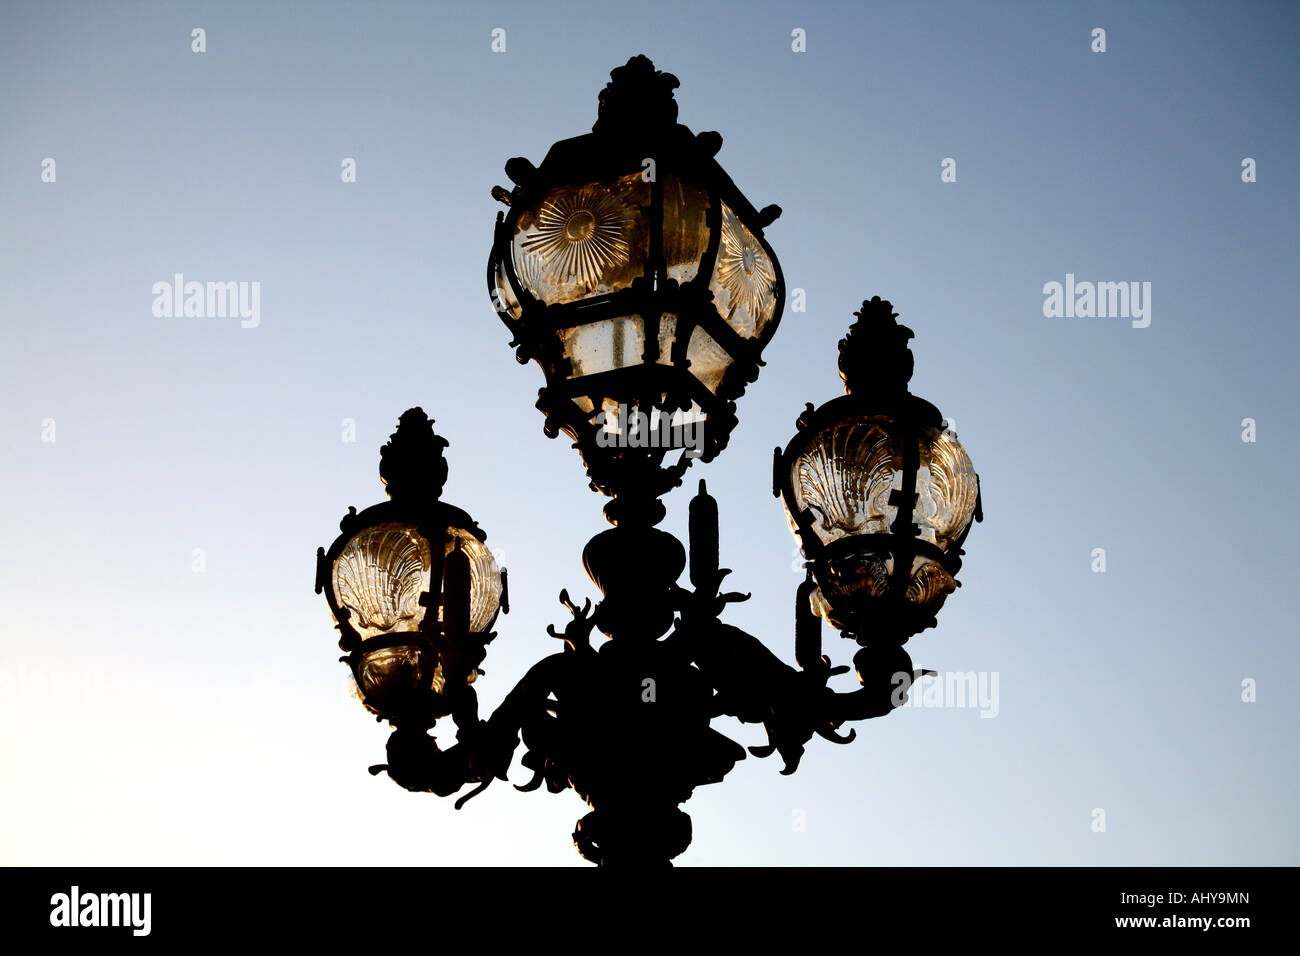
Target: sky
(170, 691)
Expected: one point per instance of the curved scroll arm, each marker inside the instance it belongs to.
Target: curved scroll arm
(577, 633)
(755, 686)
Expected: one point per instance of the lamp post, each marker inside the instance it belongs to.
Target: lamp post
(637, 276)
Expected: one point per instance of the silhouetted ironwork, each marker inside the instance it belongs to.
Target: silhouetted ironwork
(627, 725)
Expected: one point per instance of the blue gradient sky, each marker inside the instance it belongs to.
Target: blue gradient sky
(152, 715)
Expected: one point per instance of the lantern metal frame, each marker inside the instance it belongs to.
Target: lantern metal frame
(875, 342)
(636, 125)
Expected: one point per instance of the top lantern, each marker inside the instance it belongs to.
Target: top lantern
(633, 271)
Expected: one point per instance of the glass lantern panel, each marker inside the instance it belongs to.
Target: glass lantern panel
(484, 578)
(667, 336)
(709, 360)
(690, 424)
(393, 674)
(690, 416)
(605, 345)
(583, 241)
(847, 472)
(379, 577)
(612, 417)
(504, 300)
(845, 475)
(946, 487)
(744, 279)
(930, 583)
(686, 230)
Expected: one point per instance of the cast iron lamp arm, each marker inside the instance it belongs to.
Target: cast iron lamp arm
(752, 683)
(484, 749)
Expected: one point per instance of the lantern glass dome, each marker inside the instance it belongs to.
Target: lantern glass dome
(850, 475)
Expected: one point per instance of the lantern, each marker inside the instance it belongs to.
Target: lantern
(878, 491)
(635, 273)
(412, 586)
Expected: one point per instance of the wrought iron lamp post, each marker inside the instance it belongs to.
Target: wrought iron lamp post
(635, 273)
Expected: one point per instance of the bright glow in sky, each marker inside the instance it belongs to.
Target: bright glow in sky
(153, 715)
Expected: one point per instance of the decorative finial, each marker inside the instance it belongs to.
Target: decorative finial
(874, 357)
(636, 98)
(411, 463)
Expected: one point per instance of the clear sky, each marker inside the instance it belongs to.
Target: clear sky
(152, 714)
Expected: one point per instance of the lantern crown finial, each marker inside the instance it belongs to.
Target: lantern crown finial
(411, 463)
(874, 356)
(636, 98)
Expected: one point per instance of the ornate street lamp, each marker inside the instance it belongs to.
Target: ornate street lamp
(632, 270)
(880, 495)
